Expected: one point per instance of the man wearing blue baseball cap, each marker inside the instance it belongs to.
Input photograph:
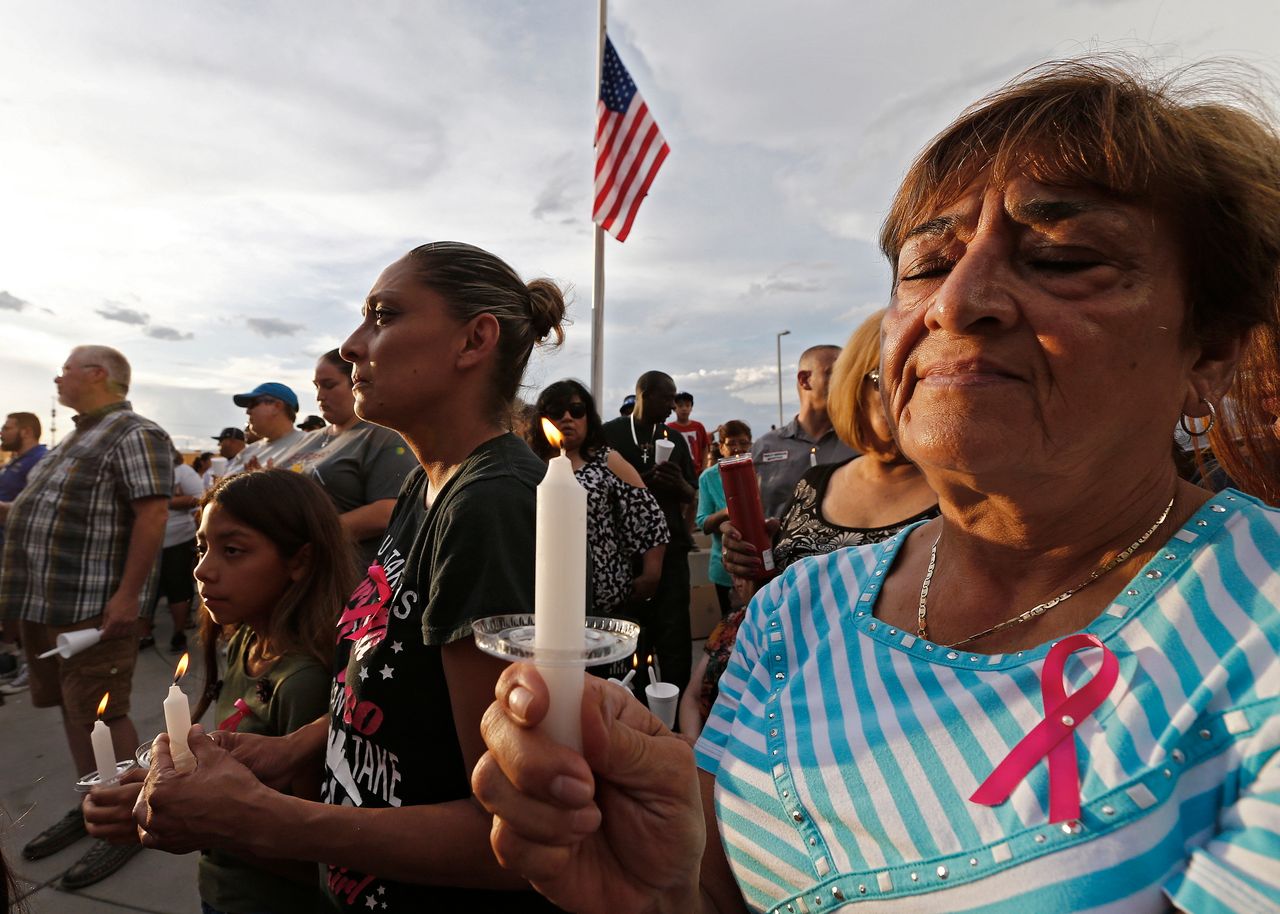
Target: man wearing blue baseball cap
(271, 408)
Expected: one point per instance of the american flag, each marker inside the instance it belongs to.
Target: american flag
(629, 148)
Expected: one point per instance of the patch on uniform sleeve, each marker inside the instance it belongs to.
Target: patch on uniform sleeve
(774, 456)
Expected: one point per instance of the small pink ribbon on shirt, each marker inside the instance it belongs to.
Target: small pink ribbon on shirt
(1054, 736)
(242, 711)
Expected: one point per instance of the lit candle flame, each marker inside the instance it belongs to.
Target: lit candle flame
(635, 661)
(181, 669)
(102, 705)
(552, 433)
(648, 660)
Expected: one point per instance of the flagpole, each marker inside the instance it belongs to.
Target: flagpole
(597, 325)
(597, 288)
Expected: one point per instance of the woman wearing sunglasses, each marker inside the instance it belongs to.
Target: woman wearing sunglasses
(625, 526)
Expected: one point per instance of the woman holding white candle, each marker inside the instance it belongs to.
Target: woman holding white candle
(1080, 263)
(625, 526)
(447, 332)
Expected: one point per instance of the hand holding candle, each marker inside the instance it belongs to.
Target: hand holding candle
(177, 721)
(104, 754)
(560, 578)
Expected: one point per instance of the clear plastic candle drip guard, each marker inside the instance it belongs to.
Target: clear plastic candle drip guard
(604, 641)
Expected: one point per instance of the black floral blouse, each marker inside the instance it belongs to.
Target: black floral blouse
(804, 531)
(623, 523)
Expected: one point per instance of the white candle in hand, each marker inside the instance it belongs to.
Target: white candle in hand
(177, 721)
(104, 754)
(559, 596)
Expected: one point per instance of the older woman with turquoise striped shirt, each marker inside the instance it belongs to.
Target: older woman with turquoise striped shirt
(1064, 693)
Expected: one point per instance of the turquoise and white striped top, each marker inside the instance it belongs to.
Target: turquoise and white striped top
(845, 750)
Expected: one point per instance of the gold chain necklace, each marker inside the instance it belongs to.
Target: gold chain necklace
(922, 624)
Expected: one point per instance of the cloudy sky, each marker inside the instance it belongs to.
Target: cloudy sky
(212, 187)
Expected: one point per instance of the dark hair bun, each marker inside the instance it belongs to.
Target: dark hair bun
(547, 307)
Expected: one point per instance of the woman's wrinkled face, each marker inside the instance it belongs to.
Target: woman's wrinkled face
(403, 351)
(333, 393)
(1035, 329)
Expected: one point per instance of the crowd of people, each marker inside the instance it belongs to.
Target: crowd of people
(1013, 646)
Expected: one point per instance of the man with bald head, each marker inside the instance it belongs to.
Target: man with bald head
(664, 618)
(81, 541)
(783, 455)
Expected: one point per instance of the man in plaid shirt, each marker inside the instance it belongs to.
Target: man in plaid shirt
(81, 543)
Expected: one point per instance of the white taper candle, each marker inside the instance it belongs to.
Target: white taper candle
(559, 596)
(104, 755)
(177, 721)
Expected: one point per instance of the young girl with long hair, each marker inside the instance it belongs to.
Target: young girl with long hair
(274, 570)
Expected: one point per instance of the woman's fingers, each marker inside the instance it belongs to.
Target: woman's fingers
(539, 793)
(549, 806)
(523, 694)
(536, 862)
(740, 557)
(530, 760)
(555, 822)
(161, 757)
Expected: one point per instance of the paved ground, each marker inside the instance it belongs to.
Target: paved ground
(36, 788)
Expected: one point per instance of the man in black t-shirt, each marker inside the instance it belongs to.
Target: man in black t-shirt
(665, 618)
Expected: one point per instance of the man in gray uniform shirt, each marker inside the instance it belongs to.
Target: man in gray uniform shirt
(783, 455)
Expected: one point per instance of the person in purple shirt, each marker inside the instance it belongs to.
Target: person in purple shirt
(20, 436)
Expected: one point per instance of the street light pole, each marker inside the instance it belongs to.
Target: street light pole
(778, 339)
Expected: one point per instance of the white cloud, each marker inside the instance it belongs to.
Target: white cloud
(167, 333)
(10, 302)
(114, 311)
(272, 326)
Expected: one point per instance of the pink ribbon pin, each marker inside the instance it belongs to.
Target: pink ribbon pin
(1054, 736)
(242, 711)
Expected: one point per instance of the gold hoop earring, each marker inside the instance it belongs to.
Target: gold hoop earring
(1213, 420)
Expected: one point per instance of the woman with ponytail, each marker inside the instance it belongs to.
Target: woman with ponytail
(439, 355)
